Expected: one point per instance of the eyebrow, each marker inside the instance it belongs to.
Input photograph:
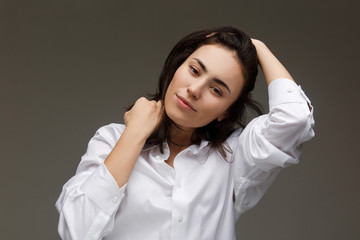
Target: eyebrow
(218, 81)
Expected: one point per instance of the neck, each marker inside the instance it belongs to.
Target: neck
(180, 137)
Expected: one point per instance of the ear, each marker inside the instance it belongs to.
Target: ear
(222, 116)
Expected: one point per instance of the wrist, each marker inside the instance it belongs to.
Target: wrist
(259, 45)
(136, 133)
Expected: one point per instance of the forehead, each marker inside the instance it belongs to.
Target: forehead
(222, 63)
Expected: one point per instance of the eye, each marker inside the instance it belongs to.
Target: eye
(194, 70)
(217, 91)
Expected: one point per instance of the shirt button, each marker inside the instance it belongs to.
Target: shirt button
(158, 158)
(93, 237)
(180, 218)
(115, 199)
(179, 185)
(290, 89)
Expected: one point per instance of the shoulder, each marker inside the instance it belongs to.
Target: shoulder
(113, 128)
(241, 135)
(232, 140)
(236, 133)
(111, 132)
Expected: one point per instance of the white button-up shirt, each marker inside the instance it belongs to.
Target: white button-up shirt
(202, 196)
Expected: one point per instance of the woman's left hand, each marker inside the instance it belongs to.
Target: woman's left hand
(270, 65)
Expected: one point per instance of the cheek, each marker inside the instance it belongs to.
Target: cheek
(170, 93)
(178, 81)
(213, 108)
(180, 77)
(171, 87)
(170, 90)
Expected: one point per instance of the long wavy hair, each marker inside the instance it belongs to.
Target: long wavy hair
(216, 132)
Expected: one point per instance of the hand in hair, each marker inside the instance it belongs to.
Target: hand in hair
(141, 120)
(270, 65)
(144, 115)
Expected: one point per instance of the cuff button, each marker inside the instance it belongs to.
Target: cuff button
(290, 89)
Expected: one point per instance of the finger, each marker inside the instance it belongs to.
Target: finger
(142, 100)
(159, 103)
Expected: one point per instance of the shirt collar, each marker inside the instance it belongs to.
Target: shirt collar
(197, 149)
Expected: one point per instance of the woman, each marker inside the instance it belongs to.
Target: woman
(183, 166)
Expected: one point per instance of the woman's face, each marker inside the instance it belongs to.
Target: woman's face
(204, 87)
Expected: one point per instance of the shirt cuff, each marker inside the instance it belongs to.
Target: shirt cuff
(283, 90)
(102, 188)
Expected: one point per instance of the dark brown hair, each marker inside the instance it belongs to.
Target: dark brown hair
(215, 132)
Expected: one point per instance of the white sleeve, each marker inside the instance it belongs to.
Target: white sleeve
(270, 142)
(89, 200)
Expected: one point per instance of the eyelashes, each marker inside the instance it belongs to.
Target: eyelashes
(217, 91)
(194, 70)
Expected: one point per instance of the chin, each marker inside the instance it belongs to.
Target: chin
(181, 122)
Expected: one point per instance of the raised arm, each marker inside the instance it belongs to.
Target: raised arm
(90, 199)
(270, 65)
(271, 141)
(140, 122)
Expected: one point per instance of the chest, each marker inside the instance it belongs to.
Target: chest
(164, 200)
(195, 180)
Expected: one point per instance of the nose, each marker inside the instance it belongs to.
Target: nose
(192, 93)
(195, 89)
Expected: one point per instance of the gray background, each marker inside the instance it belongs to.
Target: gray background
(70, 67)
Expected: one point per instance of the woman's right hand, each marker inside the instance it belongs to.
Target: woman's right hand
(145, 116)
(141, 121)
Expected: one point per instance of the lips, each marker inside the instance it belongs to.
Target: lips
(184, 103)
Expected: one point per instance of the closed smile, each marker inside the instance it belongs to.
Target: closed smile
(184, 103)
